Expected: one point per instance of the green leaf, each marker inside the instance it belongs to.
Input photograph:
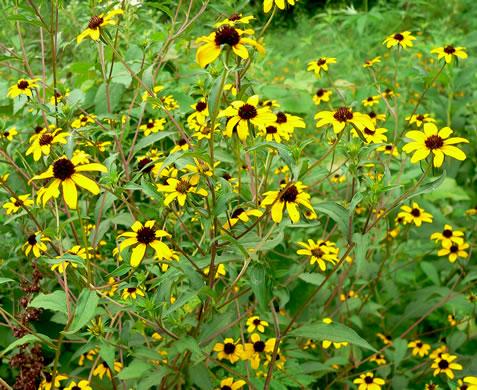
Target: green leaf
(55, 301)
(234, 242)
(215, 326)
(314, 278)
(5, 280)
(431, 272)
(107, 352)
(260, 285)
(154, 379)
(181, 301)
(101, 100)
(87, 302)
(284, 152)
(213, 98)
(360, 250)
(135, 370)
(29, 338)
(337, 213)
(335, 332)
(150, 139)
(147, 77)
(188, 343)
(425, 188)
(199, 375)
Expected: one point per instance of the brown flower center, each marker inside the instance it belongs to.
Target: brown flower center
(256, 321)
(317, 252)
(420, 117)
(227, 35)
(63, 169)
(142, 163)
(247, 111)
(76, 388)
(182, 142)
(38, 129)
(6, 133)
(290, 194)
(398, 37)
(32, 240)
(419, 345)
(271, 130)
(281, 117)
(23, 85)
(259, 346)
(201, 106)
(205, 130)
(229, 348)
(388, 147)
(434, 142)
(372, 114)
(321, 62)
(183, 186)
(150, 124)
(83, 119)
(146, 235)
(45, 139)
(368, 380)
(237, 212)
(225, 388)
(226, 176)
(95, 22)
(447, 233)
(234, 17)
(454, 249)
(131, 290)
(415, 212)
(449, 49)
(369, 131)
(18, 203)
(320, 92)
(443, 364)
(343, 114)
(370, 99)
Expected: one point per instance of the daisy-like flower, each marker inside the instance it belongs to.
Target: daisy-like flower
(376, 136)
(414, 215)
(229, 349)
(321, 63)
(454, 252)
(448, 236)
(47, 382)
(8, 134)
(132, 292)
(240, 114)
(82, 121)
(431, 386)
(449, 51)
(286, 123)
(369, 63)
(418, 347)
(435, 141)
(351, 294)
(438, 352)
(153, 126)
(471, 298)
(444, 365)
(22, 87)
(419, 119)
(376, 117)
(180, 189)
(98, 145)
(59, 97)
(88, 355)
(234, 19)
(327, 343)
(42, 144)
(472, 381)
(385, 338)
(319, 252)
(230, 384)
(403, 39)
(368, 382)
(389, 149)
(257, 349)
(145, 235)
(35, 244)
(378, 358)
(472, 211)
(182, 144)
(268, 4)
(231, 88)
(81, 385)
(309, 344)
(168, 102)
(220, 270)
(201, 168)
(290, 196)
(95, 24)
(77, 250)
(272, 133)
(65, 172)
(103, 368)
(371, 101)
(201, 111)
(255, 323)
(322, 95)
(243, 215)
(341, 117)
(337, 178)
(113, 286)
(451, 319)
(226, 35)
(16, 203)
(144, 165)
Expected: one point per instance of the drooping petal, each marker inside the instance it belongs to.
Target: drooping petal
(86, 183)
(137, 254)
(70, 194)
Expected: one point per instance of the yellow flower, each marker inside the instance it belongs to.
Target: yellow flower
(226, 35)
(82, 385)
(201, 111)
(60, 98)
(472, 211)
(448, 236)
(240, 114)
(132, 292)
(234, 19)
(42, 144)
(378, 358)
(153, 126)
(267, 4)
(98, 145)
(448, 52)
(376, 136)
(367, 382)
(96, 22)
(388, 149)
(16, 203)
(472, 380)
(444, 365)
(77, 251)
(258, 349)
(255, 323)
(229, 384)
(327, 343)
(145, 236)
(386, 339)
(229, 349)
(180, 188)
(431, 386)
(231, 88)
(319, 252)
(322, 95)
(435, 141)
(414, 215)
(83, 121)
(419, 119)
(35, 243)
(88, 355)
(371, 101)
(286, 123)
(22, 87)
(47, 383)
(182, 144)
(451, 319)
(454, 251)
(113, 286)
(321, 63)
(201, 168)
(65, 172)
(369, 63)
(341, 117)
(375, 117)
(241, 215)
(220, 270)
(403, 39)
(8, 134)
(290, 197)
(272, 133)
(419, 348)
(351, 294)
(437, 353)
(103, 368)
